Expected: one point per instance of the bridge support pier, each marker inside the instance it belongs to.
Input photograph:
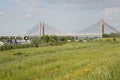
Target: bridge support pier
(101, 28)
(41, 31)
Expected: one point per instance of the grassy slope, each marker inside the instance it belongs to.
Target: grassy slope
(72, 61)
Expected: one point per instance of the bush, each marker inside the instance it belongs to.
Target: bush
(46, 38)
(18, 53)
(114, 39)
(54, 38)
(5, 47)
(35, 41)
(14, 46)
(108, 39)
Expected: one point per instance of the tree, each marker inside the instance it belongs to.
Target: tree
(114, 39)
(46, 38)
(35, 41)
(54, 38)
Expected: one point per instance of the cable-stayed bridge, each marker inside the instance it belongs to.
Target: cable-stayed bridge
(42, 29)
(96, 30)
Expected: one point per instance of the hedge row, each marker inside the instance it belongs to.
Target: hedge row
(15, 46)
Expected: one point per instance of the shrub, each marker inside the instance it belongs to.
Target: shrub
(35, 41)
(14, 46)
(46, 38)
(18, 53)
(114, 39)
(108, 39)
(54, 38)
(5, 47)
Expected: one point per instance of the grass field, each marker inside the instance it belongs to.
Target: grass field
(72, 61)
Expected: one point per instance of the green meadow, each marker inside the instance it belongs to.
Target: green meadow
(94, 60)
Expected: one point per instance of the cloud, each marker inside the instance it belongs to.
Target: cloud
(68, 4)
(1, 12)
(28, 16)
(87, 4)
(112, 10)
(17, 0)
(112, 15)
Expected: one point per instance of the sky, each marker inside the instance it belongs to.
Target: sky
(18, 16)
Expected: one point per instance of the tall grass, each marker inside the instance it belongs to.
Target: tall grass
(72, 61)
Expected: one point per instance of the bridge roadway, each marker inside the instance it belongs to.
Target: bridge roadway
(80, 34)
(73, 35)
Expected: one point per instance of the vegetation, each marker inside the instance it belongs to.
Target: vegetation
(14, 46)
(9, 38)
(94, 60)
(112, 35)
(35, 42)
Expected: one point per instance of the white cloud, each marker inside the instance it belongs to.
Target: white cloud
(111, 11)
(28, 16)
(1, 13)
(112, 15)
(18, 0)
(35, 4)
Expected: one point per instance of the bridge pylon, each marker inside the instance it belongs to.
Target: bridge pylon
(41, 28)
(101, 28)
